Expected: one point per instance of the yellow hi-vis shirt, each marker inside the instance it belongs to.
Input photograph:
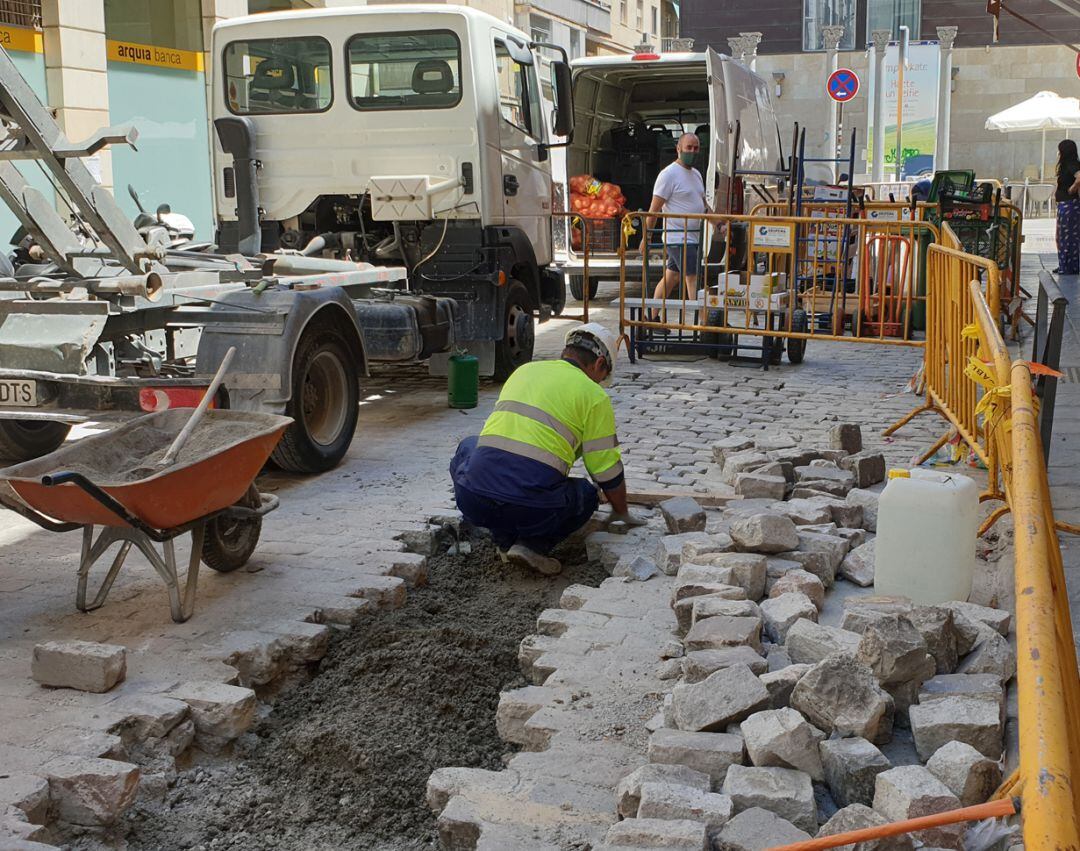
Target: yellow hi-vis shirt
(552, 412)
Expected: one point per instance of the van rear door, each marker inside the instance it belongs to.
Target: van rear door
(718, 168)
(754, 148)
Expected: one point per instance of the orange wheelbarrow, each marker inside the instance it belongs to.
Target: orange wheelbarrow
(112, 480)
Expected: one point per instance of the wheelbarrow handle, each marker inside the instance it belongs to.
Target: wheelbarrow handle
(110, 502)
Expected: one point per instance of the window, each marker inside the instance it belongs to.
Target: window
(654, 29)
(420, 70)
(641, 16)
(818, 14)
(519, 101)
(162, 23)
(891, 15)
(276, 75)
(575, 50)
(21, 13)
(623, 14)
(540, 27)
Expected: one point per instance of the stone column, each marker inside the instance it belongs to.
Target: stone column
(682, 45)
(751, 40)
(831, 36)
(737, 45)
(881, 39)
(946, 37)
(75, 75)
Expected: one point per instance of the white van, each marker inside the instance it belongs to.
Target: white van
(629, 113)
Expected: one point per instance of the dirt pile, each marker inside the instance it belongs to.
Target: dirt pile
(343, 761)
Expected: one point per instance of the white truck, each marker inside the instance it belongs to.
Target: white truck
(407, 135)
(628, 114)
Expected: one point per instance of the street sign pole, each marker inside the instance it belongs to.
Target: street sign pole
(901, 62)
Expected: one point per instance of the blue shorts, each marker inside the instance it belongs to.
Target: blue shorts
(675, 257)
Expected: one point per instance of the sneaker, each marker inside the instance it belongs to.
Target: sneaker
(522, 555)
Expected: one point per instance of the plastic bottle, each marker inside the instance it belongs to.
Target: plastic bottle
(463, 380)
(927, 526)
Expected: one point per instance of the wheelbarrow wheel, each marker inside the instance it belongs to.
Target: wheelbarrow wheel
(229, 542)
(25, 440)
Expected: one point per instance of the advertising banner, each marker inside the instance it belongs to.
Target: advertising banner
(920, 107)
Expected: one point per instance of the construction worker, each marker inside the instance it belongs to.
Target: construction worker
(514, 478)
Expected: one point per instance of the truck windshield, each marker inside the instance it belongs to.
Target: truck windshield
(276, 75)
(420, 70)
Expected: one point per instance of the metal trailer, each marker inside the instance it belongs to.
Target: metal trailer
(111, 323)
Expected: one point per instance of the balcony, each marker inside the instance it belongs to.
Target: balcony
(594, 14)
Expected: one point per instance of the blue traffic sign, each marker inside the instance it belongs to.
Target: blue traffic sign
(842, 85)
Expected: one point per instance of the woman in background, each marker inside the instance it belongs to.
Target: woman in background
(1068, 208)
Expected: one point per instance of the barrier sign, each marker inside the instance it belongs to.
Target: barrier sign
(771, 237)
(842, 85)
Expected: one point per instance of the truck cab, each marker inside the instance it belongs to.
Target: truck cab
(405, 135)
(629, 112)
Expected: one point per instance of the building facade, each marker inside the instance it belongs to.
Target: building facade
(986, 77)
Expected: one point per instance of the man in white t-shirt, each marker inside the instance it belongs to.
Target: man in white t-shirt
(679, 189)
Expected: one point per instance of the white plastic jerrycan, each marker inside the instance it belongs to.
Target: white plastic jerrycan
(927, 525)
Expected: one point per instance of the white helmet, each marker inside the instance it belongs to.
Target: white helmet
(597, 339)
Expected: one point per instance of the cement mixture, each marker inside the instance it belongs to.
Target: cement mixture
(343, 761)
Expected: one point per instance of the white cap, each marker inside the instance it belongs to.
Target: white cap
(598, 339)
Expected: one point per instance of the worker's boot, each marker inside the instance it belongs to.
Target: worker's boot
(522, 555)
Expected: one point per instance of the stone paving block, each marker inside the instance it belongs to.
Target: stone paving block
(910, 791)
(716, 542)
(411, 567)
(672, 801)
(636, 567)
(657, 833)
(711, 606)
(459, 824)
(784, 791)
(935, 624)
(732, 445)
(851, 767)
(777, 656)
(842, 695)
(868, 468)
(802, 582)
(706, 574)
(809, 643)
(998, 620)
(724, 631)
(575, 596)
(683, 514)
(895, 651)
(81, 665)
(860, 817)
(628, 792)
(27, 793)
(257, 656)
(741, 462)
(780, 683)
(858, 565)
(830, 479)
(846, 437)
(776, 567)
(764, 533)
(301, 642)
(748, 570)
(723, 698)
(969, 774)
(220, 712)
(986, 687)
(782, 611)
(819, 564)
(699, 664)
(516, 707)
(556, 622)
(774, 442)
(992, 655)
(760, 486)
(684, 608)
(756, 829)
(971, 720)
(782, 738)
(444, 783)
(709, 753)
(146, 716)
(91, 792)
(385, 592)
(868, 501)
(339, 609)
(804, 512)
(833, 547)
(669, 550)
(860, 612)
(686, 589)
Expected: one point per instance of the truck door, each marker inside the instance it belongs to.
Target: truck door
(739, 81)
(718, 168)
(526, 178)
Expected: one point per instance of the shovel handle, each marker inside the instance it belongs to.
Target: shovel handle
(200, 411)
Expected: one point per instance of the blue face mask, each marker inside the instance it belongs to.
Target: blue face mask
(687, 157)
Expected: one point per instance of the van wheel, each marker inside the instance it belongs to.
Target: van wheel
(577, 287)
(516, 346)
(24, 440)
(325, 403)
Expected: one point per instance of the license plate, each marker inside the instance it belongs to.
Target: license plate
(18, 393)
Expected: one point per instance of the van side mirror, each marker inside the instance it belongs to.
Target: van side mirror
(562, 90)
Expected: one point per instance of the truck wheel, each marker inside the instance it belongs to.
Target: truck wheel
(516, 346)
(24, 440)
(577, 287)
(324, 405)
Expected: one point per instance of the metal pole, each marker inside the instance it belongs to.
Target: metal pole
(901, 61)
(881, 43)
(831, 36)
(1042, 151)
(946, 38)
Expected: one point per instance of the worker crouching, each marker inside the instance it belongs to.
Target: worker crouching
(514, 479)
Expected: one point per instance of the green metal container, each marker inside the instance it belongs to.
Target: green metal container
(463, 381)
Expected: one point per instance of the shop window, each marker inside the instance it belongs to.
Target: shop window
(893, 14)
(278, 75)
(419, 70)
(162, 23)
(818, 14)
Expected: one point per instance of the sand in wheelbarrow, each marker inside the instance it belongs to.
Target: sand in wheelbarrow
(136, 454)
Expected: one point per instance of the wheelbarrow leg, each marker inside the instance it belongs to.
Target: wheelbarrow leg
(91, 551)
(181, 608)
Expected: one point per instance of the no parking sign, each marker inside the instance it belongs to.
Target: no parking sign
(842, 85)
